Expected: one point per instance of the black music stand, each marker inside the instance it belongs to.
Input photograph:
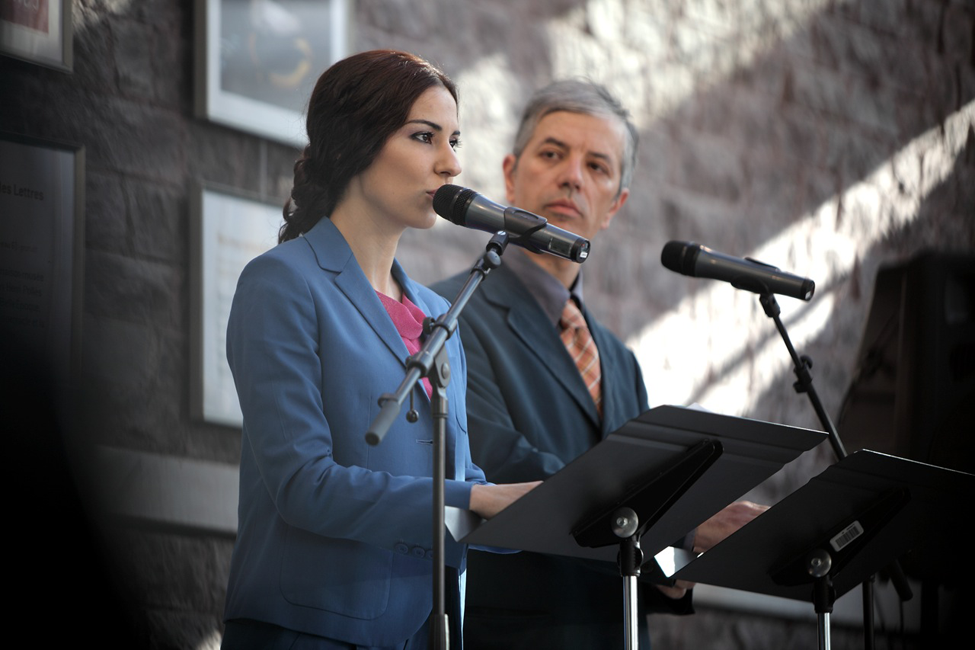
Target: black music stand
(843, 526)
(672, 467)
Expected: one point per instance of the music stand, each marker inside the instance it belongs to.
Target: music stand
(830, 535)
(673, 467)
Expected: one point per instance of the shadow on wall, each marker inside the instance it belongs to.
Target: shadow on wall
(939, 224)
(740, 162)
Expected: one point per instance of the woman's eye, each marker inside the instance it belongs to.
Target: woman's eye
(425, 137)
(455, 144)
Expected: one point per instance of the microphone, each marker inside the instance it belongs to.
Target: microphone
(467, 208)
(699, 261)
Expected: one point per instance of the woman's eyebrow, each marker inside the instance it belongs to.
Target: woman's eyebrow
(432, 125)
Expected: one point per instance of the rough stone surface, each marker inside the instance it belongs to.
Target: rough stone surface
(821, 135)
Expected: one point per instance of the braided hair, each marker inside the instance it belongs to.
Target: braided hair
(357, 104)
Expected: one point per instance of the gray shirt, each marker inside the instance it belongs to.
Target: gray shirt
(544, 287)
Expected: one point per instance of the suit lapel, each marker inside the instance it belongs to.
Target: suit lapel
(611, 381)
(530, 324)
(334, 255)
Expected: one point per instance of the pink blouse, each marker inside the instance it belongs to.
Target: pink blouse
(408, 320)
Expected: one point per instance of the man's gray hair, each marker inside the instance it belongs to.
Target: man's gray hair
(587, 98)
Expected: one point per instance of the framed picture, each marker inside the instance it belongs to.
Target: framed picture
(258, 61)
(38, 31)
(41, 252)
(228, 228)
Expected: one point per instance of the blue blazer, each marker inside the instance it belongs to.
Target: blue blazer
(334, 536)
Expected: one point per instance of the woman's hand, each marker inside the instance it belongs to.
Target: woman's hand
(489, 500)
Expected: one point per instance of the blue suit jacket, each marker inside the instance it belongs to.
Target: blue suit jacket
(530, 414)
(334, 536)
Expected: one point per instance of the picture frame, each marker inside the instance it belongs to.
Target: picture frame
(228, 228)
(257, 62)
(42, 243)
(38, 31)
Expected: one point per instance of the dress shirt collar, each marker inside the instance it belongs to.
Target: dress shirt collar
(544, 287)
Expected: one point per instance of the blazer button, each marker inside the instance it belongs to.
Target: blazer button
(419, 551)
(402, 548)
(430, 554)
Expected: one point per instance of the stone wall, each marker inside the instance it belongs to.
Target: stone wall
(824, 136)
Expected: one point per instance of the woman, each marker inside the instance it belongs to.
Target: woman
(334, 539)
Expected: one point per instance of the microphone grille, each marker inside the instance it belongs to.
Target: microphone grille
(676, 256)
(451, 201)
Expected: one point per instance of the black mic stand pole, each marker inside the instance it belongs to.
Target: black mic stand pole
(803, 384)
(801, 366)
(431, 362)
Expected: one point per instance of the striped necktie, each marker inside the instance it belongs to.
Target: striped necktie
(578, 341)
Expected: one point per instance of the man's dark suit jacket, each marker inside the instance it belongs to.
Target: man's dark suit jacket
(529, 414)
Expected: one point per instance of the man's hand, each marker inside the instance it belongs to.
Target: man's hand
(489, 500)
(728, 520)
(677, 591)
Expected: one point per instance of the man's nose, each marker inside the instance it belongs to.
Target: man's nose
(571, 172)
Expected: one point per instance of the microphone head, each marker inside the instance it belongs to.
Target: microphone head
(451, 202)
(679, 256)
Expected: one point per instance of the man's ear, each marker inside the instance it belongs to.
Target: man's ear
(615, 207)
(509, 165)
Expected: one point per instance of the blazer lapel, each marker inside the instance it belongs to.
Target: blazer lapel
(334, 255)
(410, 290)
(530, 324)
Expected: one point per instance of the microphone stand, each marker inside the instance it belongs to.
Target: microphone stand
(431, 362)
(803, 384)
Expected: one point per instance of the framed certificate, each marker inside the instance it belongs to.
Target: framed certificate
(38, 31)
(41, 250)
(228, 228)
(258, 61)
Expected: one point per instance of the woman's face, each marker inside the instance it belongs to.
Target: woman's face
(414, 163)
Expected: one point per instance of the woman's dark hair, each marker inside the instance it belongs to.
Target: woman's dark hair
(357, 104)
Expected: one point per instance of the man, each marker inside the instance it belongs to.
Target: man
(531, 408)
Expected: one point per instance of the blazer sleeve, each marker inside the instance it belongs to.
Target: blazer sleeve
(275, 352)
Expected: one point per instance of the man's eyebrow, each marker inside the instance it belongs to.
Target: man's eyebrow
(555, 141)
(562, 145)
(432, 125)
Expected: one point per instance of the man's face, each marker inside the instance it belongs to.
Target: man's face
(569, 172)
